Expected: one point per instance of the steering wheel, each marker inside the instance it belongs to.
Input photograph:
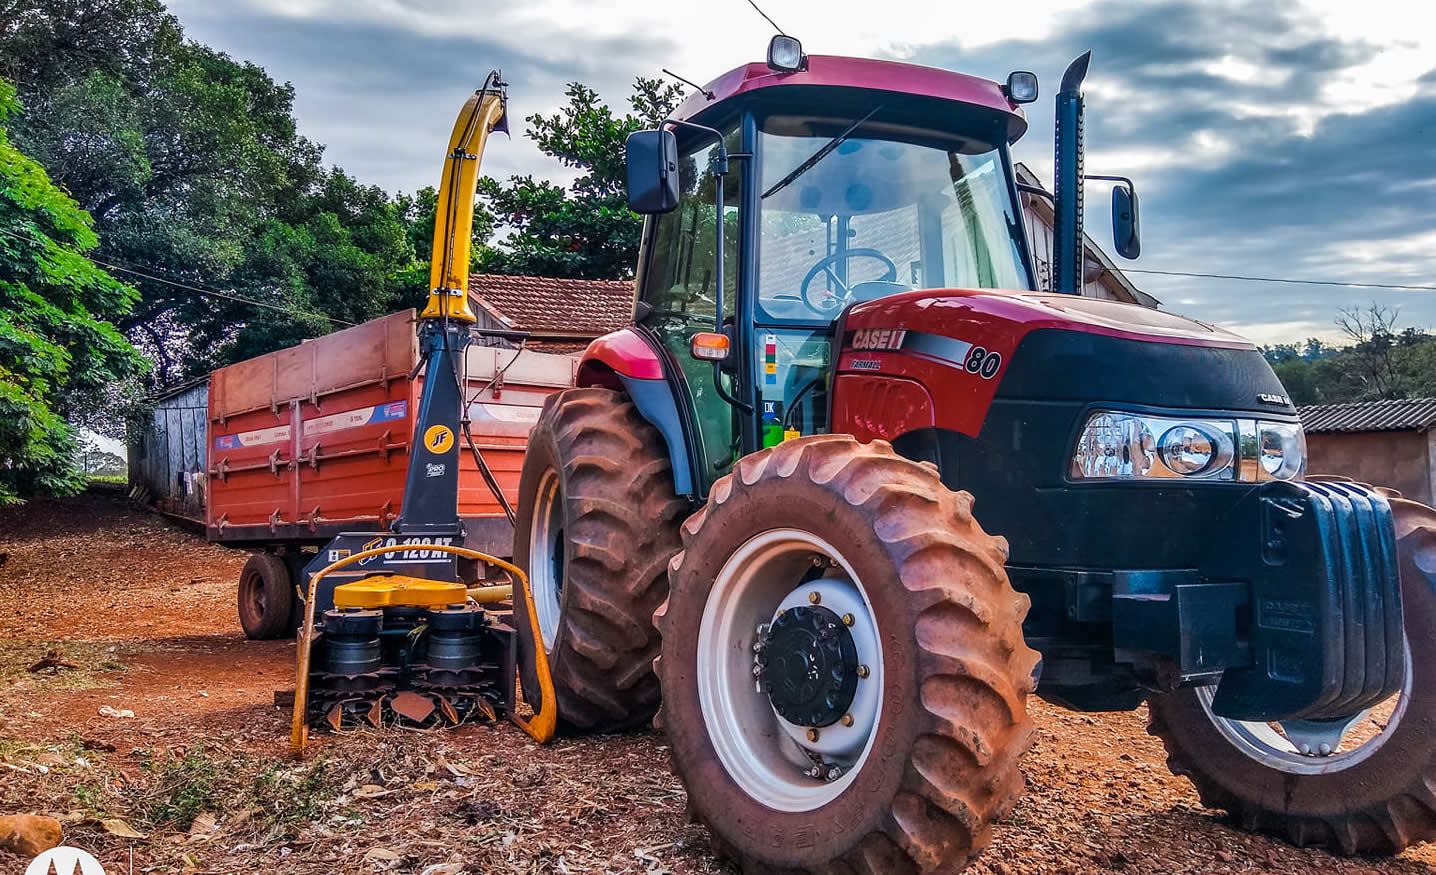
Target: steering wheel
(829, 300)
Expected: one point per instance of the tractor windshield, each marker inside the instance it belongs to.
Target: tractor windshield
(889, 208)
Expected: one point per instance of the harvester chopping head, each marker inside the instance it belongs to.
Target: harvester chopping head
(389, 631)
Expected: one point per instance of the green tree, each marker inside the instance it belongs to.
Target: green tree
(1378, 362)
(193, 168)
(585, 230)
(57, 343)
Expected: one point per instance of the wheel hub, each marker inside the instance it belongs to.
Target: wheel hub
(808, 666)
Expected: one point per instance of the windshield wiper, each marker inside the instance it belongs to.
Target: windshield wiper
(819, 155)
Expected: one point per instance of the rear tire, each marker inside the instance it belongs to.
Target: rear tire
(937, 632)
(1375, 799)
(598, 522)
(266, 596)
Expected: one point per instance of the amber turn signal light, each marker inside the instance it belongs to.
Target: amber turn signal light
(709, 346)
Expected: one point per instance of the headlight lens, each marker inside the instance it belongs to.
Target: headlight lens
(1114, 445)
(1117, 445)
(1281, 450)
(1187, 450)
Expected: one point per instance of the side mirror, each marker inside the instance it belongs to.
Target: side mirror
(652, 159)
(1126, 225)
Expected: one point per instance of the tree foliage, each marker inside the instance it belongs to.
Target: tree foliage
(193, 168)
(585, 230)
(57, 344)
(1379, 361)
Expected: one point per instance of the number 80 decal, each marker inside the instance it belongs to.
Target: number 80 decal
(983, 363)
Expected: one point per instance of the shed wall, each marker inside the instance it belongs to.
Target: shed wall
(1399, 459)
(167, 453)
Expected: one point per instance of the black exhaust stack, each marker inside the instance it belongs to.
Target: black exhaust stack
(1067, 249)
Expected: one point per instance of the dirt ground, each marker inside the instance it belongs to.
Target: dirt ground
(197, 779)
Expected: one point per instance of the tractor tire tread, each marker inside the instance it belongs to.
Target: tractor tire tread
(962, 773)
(622, 526)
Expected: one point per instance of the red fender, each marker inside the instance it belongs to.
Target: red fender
(621, 352)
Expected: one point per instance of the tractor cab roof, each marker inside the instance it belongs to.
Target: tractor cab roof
(865, 74)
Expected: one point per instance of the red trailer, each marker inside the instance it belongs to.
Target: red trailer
(313, 440)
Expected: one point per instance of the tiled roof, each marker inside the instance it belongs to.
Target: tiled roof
(1401, 415)
(545, 304)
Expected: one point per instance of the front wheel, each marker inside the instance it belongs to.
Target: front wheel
(844, 675)
(1362, 784)
(598, 523)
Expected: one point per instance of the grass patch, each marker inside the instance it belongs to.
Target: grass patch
(91, 661)
(182, 787)
(260, 796)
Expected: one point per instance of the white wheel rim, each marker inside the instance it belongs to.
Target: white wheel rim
(545, 556)
(759, 750)
(1263, 742)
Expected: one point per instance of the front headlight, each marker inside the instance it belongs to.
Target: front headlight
(1117, 445)
(1281, 450)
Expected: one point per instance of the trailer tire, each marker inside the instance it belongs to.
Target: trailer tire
(598, 514)
(1379, 802)
(266, 595)
(936, 629)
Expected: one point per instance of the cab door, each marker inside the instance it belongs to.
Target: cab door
(678, 285)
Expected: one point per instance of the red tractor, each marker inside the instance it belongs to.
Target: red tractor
(850, 491)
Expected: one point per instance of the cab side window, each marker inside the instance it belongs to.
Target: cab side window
(680, 287)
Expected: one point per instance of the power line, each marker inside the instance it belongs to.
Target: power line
(1272, 279)
(192, 288)
(765, 16)
(218, 294)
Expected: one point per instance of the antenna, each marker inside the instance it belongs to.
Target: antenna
(699, 88)
(766, 18)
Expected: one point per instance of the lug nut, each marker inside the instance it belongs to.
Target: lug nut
(812, 734)
(848, 619)
(757, 671)
(815, 597)
(834, 773)
(846, 720)
(818, 561)
(863, 671)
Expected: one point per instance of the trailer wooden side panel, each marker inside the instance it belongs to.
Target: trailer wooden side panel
(311, 440)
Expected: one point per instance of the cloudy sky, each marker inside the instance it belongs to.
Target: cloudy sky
(1275, 139)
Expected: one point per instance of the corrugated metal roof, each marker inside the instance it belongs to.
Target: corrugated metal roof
(1401, 415)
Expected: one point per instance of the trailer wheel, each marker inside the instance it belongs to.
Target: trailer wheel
(1367, 784)
(598, 522)
(844, 674)
(265, 597)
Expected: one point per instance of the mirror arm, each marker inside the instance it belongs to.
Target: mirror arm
(1036, 190)
(1121, 179)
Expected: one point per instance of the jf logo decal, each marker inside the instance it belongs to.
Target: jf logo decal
(438, 439)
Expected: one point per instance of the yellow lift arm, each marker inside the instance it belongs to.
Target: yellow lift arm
(483, 113)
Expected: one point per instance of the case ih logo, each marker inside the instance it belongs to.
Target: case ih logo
(878, 338)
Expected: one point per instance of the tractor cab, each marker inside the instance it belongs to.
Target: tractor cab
(840, 181)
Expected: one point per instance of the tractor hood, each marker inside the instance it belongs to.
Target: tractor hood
(967, 348)
(1029, 311)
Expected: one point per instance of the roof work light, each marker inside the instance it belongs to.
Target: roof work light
(785, 54)
(1021, 87)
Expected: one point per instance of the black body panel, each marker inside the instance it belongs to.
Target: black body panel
(1286, 593)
